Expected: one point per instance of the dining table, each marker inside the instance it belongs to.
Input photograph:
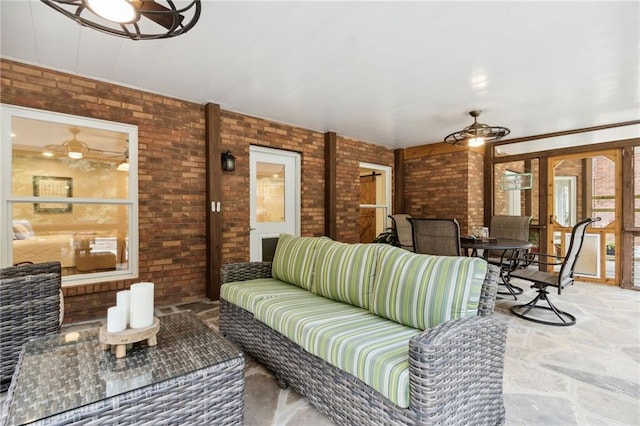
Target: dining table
(512, 252)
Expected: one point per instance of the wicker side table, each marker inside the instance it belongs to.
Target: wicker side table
(192, 376)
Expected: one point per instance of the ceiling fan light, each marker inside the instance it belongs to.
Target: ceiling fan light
(476, 141)
(75, 155)
(121, 11)
(123, 166)
(476, 134)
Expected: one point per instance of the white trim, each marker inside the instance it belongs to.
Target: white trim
(387, 189)
(297, 179)
(8, 112)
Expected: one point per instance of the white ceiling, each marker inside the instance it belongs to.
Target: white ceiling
(398, 74)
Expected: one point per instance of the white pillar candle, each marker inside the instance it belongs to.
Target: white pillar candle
(123, 301)
(116, 319)
(141, 305)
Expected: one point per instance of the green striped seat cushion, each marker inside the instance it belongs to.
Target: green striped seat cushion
(344, 272)
(246, 294)
(294, 260)
(422, 291)
(291, 316)
(371, 348)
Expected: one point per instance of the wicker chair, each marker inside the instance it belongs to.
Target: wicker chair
(29, 307)
(514, 228)
(541, 280)
(402, 229)
(439, 237)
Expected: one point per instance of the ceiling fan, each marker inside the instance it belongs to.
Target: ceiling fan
(134, 19)
(77, 149)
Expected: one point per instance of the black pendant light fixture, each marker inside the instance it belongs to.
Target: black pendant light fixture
(134, 19)
(477, 134)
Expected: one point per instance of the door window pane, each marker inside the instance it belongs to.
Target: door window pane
(270, 192)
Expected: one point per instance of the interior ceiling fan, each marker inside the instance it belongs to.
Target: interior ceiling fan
(77, 149)
(134, 19)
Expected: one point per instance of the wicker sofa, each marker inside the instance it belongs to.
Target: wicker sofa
(372, 334)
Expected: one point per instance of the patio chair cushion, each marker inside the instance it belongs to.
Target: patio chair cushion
(422, 291)
(373, 349)
(344, 272)
(294, 260)
(246, 294)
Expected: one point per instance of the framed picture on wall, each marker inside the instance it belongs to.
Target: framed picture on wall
(52, 187)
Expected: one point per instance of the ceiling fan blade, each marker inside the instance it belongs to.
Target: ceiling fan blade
(149, 9)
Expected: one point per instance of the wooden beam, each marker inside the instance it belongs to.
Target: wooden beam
(438, 149)
(330, 182)
(587, 187)
(213, 143)
(565, 132)
(543, 210)
(628, 219)
(561, 152)
(489, 180)
(528, 195)
(399, 203)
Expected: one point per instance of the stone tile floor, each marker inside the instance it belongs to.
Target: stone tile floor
(588, 374)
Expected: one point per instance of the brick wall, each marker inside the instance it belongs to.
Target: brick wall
(448, 185)
(350, 153)
(171, 178)
(172, 172)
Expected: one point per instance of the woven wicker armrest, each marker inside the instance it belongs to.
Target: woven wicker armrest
(489, 291)
(456, 372)
(232, 272)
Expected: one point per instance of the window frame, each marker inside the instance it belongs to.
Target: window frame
(7, 199)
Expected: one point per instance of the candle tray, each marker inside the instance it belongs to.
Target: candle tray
(121, 339)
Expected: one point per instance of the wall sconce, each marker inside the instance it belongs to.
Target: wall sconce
(228, 162)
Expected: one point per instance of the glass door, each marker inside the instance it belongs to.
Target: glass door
(587, 185)
(274, 199)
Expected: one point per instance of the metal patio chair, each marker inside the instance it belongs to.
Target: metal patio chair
(541, 280)
(439, 237)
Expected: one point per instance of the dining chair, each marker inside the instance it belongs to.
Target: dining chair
(30, 306)
(440, 237)
(513, 228)
(402, 229)
(541, 280)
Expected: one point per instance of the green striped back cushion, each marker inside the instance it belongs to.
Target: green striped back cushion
(423, 291)
(246, 294)
(294, 260)
(344, 272)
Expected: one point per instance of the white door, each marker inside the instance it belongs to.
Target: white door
(275, 198)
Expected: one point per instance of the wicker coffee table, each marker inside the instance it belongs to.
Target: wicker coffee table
(193, 376)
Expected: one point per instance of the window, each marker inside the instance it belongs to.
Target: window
(69, 194)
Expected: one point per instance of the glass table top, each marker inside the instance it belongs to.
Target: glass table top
(66, 371)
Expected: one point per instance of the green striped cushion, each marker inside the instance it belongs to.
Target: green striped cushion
(291, 316)
(369, 347)
(246, 294)
(373, 349)
(423, 291)
(294, 260)
(344, 272)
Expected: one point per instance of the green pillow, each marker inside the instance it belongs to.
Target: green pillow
(294, 260)
(423, 291)
(344, 272)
